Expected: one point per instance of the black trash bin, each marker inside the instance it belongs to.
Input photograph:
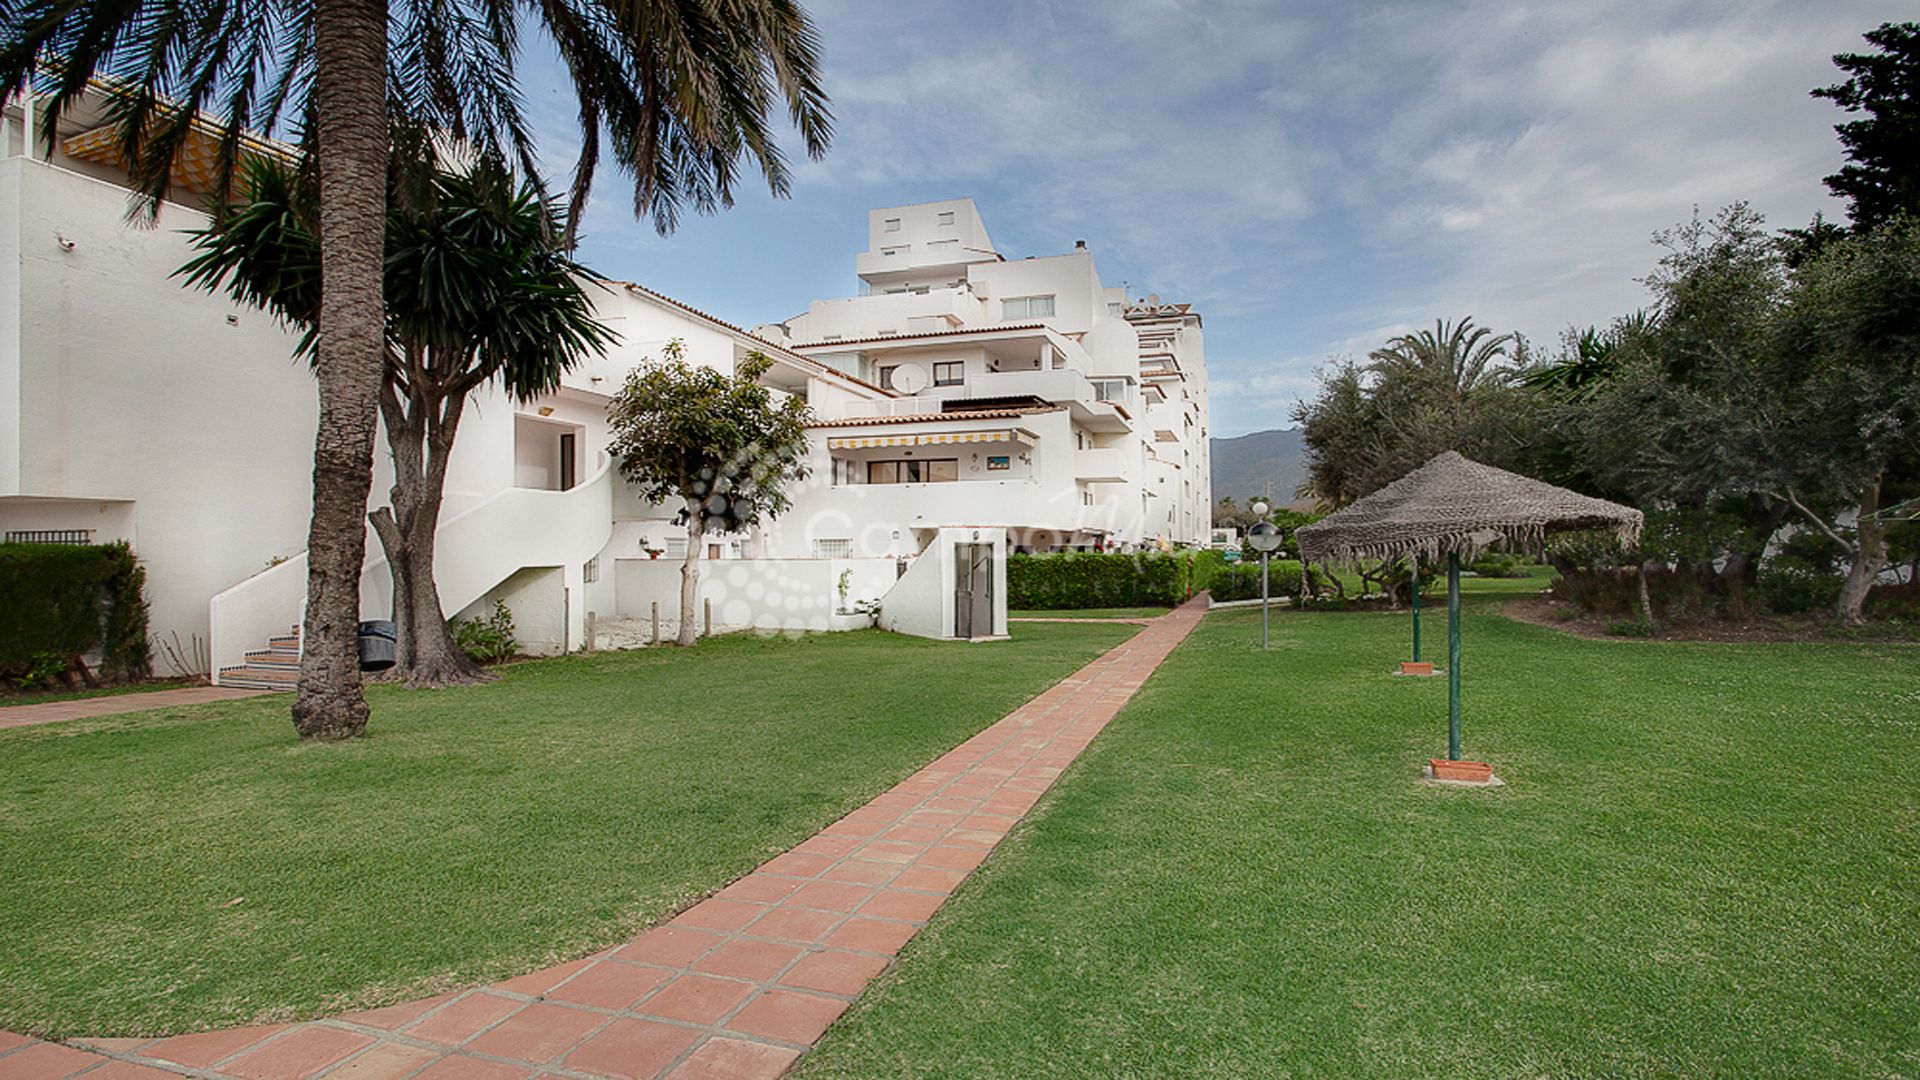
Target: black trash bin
(377, 642)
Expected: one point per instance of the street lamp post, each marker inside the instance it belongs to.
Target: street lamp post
(1265, 538)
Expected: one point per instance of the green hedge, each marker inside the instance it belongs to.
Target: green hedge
(64, 601)
(1241, 581)
(1084, 579)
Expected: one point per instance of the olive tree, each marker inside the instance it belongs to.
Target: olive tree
(722, 444)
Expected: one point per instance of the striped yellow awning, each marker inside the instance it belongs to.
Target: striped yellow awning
(195, 163)
(864, 441)
(993, 435)
(944, 438)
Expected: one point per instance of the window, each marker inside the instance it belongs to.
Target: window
(1110, 390)
(949, 373)
(713, 551)
(931, 471)
(943, 243)
(590, 573)
(1026, 307)
(884, 376)
(895, 249)
(946, 217)
(833, 549)
(676, 547)
(892, 224)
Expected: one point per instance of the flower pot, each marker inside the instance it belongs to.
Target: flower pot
(1470, 772)
(1409, 667)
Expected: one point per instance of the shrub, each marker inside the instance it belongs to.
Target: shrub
(65, 601)
(1242, 581)
(1500, 564)
(489, 640)
(1793, 585)
(1630, 628)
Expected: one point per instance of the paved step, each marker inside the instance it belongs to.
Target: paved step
(251, 677)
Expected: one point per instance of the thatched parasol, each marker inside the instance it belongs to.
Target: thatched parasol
(1457, 508)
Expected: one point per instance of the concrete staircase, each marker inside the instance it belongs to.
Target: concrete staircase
(276, 667)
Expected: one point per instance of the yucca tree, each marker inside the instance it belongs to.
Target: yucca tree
(478, 290)
(681, 90)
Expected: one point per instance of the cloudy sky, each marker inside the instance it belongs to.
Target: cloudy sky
(1313, 177)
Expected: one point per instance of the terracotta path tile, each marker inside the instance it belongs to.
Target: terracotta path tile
(535, 983)
(538, 1033)
(787, 1015)
(835, 972)
(698, 999)
(669, 946)
(396, 1016)
(755, 961)
(635, 1049)
(610, 984)
(464, 1019)
(303, 1052)
(127, 1070)
(774, 956)
(207, 1047)
(735, 1059)
(791, 924)
(388, 1061)
(871, 935)
(45, 1061)
(469, 1068)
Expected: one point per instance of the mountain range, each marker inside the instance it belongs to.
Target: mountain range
(1243, 466)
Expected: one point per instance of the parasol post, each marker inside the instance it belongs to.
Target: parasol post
(1453, 657)
(1416, 608)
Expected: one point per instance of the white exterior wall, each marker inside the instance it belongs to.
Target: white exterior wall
(119, 384)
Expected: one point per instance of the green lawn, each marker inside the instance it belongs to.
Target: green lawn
(9, 698)
(199, 867)
(1706, 863)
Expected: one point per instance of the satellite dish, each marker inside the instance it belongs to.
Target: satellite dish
(909, 378)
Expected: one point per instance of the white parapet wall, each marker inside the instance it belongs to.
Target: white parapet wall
(764, 594)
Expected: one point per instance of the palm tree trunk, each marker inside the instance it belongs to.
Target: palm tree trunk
(690, 573)
(350, 113)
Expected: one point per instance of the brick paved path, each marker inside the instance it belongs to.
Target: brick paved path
(47, 712)
(738, 986)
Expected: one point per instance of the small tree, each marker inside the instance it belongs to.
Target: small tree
(721, 444)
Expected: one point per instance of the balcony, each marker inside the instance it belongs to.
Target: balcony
(1102, 465)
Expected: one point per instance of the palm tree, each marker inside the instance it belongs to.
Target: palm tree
(1453, 358)
(478, 289)
(680, 89)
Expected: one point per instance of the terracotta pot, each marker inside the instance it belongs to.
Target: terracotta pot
(1409, 667)
(1475, 772)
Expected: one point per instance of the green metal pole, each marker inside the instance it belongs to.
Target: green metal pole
(1453, 658)
(1264, 602)
(1416, 609)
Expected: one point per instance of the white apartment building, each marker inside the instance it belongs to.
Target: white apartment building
(133, 408)
(1025, 395)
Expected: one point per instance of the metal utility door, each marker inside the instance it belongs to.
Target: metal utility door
(973, 590)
